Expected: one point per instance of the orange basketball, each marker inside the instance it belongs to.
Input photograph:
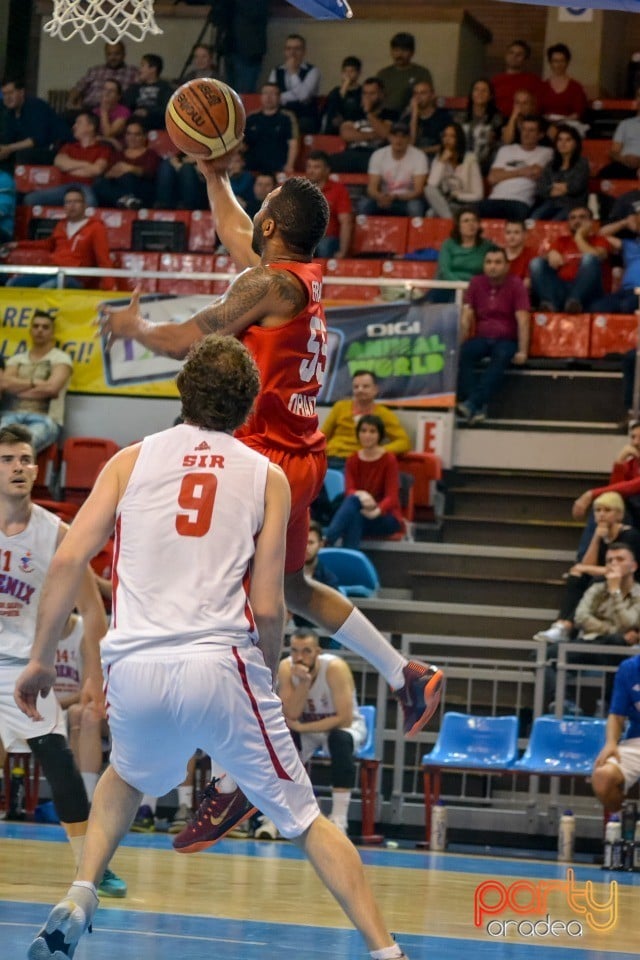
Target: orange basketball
(205, 118)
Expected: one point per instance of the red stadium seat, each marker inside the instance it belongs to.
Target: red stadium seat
(493, 230)
(119, 224)
(318, 141)
(351, 179)
(426, 470)
(186, 263)
(381, 235)
(171, 216)
(82, 461)
(23, 216)
(560, 335)
(453, 103)
(629, 105)
(613, 333)
(252, 102)
(26, 257)
(161, 142)
(202, 232)
(222, 263)
(47, 213)
(30, 178)
(137, 262)
(410, 269)
(615, 188)
(542, 233)
(428, 232)
(597, 153)
(351, 268)
(48, 466)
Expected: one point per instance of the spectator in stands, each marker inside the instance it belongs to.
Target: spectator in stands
(7, 206)
(180, 185)
(561, 98)
(263, 184)
(240, 179)
(314, 568)
(202, 63)
(616, 768)
(299, 84)
(569, 276)
(32, 130)
(515, 173)
(462, 254)
(130, 181)
(337, 239)
(401, 76)
(320, 707)
(80, 164)
(244, 42)
(482, 123)
(343, 101)
(371, 505)
(368, 132)
(87, 92)
(397, 178)
(148, 98)
(524, 105)
(624, 238)
(494, 324)
(271, 135)
(515, 77)
(340, 422)
(565, 181)
(625, 148)
(609, 528)
(35, 384)
(112, 114)
(454, 178)
(629, 489)
(626, 465)
(519, 255)
(77, 241)
(427, 121)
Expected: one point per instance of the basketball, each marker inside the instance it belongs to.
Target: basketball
(205, 118)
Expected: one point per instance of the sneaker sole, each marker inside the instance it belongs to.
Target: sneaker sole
(199, 845)
(113, 894)
(432, 694)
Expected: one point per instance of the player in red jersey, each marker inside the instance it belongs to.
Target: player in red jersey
(274, 307)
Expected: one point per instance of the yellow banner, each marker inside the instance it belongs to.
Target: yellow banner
(127, 370)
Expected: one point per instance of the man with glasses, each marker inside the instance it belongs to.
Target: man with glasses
(299, 83)
(569, 276)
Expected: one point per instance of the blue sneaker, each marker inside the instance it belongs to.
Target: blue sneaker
(65, 925)
(111, 885)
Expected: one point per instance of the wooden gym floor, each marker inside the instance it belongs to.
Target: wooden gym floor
(245, 899)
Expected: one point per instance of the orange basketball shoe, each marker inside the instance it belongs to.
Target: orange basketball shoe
(217, 814)
(420, 695)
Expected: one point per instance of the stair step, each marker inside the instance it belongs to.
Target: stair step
(542, 484)
(509, 504)
(505, 531)
(485, 588)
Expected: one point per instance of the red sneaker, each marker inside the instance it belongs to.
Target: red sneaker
(217, 814)
(420, 695)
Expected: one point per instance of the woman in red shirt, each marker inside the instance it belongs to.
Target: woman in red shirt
(371, 507)
(562, 97)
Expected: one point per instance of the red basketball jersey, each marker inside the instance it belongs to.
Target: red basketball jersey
(291, 359)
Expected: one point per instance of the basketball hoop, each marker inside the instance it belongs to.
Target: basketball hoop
(108, 20)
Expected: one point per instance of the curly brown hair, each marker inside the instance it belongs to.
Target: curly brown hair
(218, 383)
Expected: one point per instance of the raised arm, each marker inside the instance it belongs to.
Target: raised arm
(233, 226)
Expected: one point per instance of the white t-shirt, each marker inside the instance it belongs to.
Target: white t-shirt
(397, 175)
(510, 158)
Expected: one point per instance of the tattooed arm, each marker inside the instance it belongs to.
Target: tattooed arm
(256, 295)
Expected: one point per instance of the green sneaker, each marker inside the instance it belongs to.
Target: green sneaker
(144, 821)
(111, 885)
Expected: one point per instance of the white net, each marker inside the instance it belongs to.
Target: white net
(108, 20)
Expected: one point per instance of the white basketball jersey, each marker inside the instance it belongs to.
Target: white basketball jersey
(184, 543)
(69, 659)
(24, 561)
(319, 703)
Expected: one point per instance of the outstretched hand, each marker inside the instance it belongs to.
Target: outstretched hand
(35, 679)
(120, 322)
(581, 506)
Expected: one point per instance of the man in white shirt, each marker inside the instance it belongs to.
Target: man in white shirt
(397, 177)
(299, 84)
(515, 172)
(625, 148)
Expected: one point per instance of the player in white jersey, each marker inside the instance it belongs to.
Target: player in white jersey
(29, 537)
(198, 617)
(320, 707)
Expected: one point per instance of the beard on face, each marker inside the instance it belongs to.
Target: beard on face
(257, 239)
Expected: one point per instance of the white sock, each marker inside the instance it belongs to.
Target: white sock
(387, 953)
(77, 844)
(185, 796)
(359, 635)
(90, 780)
(151, 802)
(340, 800)
(225, 783)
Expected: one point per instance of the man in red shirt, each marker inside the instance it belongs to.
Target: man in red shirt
(519, 255)
(80, 163)
(496, 309)
(569, 277)
(337, 239)
(76, 241)
(515, 77)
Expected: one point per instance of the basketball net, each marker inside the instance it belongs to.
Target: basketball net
(109, 20)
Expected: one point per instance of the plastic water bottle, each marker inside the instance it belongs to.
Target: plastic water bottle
(566, 837)
(629, 817)
(438, 827)
(612, 836)
(16, 795)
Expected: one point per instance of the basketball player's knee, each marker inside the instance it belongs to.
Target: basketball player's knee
(343, 765)
(606, 782)
(74, 715)
(91, 718)
(69, 795)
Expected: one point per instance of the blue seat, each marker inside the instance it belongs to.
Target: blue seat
(563, 747)
(467, 742)
(368, 750)
(357, 576)
(333, 483)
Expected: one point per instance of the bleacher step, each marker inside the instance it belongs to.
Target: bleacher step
(511, 531)
(485, 588)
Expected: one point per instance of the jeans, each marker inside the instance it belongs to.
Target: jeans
(328, 247)
(624, 301)
(477, 388)
(182, 188)
(438, 202)
(503, 209)
(398, 208)
(349, 524)
(54, 196)
(109, 190)
(550, 210)
(45, 283)
(242, 74)
(44, 430)
(549, 287)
